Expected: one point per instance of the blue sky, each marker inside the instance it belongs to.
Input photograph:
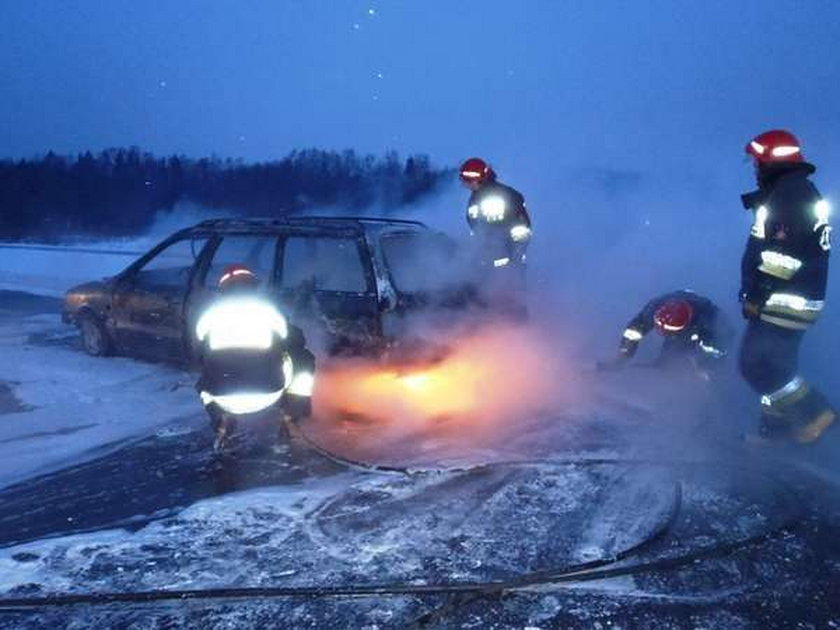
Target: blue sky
(604, 83)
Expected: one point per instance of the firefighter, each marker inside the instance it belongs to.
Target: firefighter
(501, 229)
(252, 360)
(784, 272)
(496, 215)
(695, 333)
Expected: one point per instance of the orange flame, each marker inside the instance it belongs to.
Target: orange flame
(493, 374)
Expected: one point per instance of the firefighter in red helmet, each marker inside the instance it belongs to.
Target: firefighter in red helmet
(496, 213)
(501, 227)
(252, 360)
(695, 332)
(784, 272)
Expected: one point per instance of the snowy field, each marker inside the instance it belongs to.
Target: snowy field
(108, 486)
(61, 404)
(52, 269)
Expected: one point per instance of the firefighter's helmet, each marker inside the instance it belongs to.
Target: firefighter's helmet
(673, 317)
(775, 147)
(476, 170)
(237, 276)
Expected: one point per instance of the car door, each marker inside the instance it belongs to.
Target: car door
(327, 282)
(149, 298)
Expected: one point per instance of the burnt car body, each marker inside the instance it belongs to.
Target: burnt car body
(350, 279)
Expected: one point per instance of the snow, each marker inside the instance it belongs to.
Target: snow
(51, 270)
(342, 527)
(341, 530)
(204, 545)
(74, 403)
(336, 528)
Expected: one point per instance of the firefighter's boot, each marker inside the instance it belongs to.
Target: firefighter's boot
(814, 417)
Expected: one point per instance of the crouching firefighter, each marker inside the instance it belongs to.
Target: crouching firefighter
(696, 334)
(784, 272)
(501, 229)
(252, 360)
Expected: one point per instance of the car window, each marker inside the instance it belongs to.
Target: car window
(333, 264)
(421, 261)
(256, 252)
(171, 266)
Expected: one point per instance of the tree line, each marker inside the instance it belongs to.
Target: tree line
(117, 192)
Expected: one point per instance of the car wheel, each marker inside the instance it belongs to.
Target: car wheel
(95, 339)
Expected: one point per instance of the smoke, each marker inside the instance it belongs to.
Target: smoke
(489, 374)
(605, 242)
(184, 214)
(487, 384)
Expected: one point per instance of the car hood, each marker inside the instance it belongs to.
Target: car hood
(94, 294)
(91, 288)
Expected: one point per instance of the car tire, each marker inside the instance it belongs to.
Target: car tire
(95, 338)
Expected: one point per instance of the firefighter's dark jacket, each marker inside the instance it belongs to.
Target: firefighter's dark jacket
(784, 269)
(234, 370)
(708, 333)
(514, 208)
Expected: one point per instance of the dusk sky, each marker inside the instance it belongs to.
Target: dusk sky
(615, 84)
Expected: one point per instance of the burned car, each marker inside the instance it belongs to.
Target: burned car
(348, 281)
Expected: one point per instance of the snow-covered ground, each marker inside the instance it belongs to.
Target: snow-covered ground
(62, 403)
(288, 521)
(347, 528)
(52, 269)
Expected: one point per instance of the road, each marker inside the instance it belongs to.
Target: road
(749, 543)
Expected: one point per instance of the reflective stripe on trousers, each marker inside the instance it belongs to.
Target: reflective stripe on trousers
(778, 401)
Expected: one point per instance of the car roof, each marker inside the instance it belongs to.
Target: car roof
(326, 223)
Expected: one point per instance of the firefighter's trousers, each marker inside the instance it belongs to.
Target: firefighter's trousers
(790, 407)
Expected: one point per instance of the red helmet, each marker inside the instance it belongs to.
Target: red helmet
(476, 170)
(673, 316)
(774, 147)
(237, 275)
